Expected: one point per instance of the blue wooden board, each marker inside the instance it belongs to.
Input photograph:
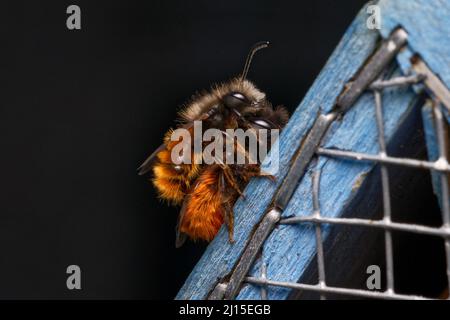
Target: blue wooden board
(220, 256)
(427, 23)
(290, 249)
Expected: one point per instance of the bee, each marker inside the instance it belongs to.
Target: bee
(207, 192)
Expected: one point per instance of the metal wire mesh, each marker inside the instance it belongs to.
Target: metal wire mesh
(440, 166)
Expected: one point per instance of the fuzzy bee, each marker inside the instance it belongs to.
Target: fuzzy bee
(207, 192)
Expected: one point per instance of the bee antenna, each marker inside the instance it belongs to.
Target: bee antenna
(256, 47)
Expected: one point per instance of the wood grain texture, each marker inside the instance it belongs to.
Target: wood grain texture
(427, 23)
(289, 250)
(220, 256)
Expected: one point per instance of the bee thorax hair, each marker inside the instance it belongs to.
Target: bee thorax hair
(202, 102)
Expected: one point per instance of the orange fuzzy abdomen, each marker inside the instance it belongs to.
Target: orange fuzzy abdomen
(203, 217)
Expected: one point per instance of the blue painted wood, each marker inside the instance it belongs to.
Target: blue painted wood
(286, 244)
(220, 256)
(289, 250)
(428, 25)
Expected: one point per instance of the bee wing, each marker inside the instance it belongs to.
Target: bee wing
(147, 164)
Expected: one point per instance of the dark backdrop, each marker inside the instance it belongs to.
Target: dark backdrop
(79, 111)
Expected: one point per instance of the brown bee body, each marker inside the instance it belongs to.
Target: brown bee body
(207, 193)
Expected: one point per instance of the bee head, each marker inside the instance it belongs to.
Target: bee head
(236, 100)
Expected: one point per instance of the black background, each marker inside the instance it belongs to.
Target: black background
(79, 111)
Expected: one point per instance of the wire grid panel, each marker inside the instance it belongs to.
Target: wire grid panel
(440, 166)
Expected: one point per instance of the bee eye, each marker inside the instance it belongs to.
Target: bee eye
(239, 96)
(235, 100)
(262, 123)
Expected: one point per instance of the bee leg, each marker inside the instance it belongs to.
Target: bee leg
(240, 149)
(268, 175)
(256, 171)
(229, 220)
(227, 209)
(232, 181)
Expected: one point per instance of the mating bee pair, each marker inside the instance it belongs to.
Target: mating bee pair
(207, 193)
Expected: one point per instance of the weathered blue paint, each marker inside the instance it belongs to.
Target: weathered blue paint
(427, 23)
(220, 256)
(290, 249)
